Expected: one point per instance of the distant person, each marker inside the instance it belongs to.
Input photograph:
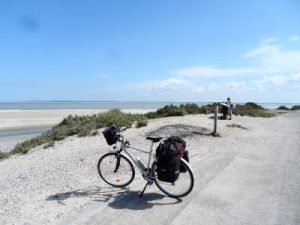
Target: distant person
(229, 107)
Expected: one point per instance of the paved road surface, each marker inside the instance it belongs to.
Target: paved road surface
(251, 182)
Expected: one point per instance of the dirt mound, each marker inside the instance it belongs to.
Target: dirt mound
(179, 130)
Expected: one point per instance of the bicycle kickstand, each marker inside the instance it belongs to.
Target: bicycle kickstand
(142, 192)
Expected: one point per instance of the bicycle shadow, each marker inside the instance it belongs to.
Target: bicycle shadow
(131, 200)
(103, 194)
(116, 198)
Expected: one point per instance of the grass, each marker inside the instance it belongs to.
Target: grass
(253, 110)
(183, 109)
(235, 125)
(89, 125)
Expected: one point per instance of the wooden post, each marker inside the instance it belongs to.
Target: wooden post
(215, 120)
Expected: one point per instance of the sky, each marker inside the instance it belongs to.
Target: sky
(169, 50)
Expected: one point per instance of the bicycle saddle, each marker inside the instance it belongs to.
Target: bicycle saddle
(154, 139)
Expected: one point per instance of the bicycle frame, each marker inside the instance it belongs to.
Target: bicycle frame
(124, 146)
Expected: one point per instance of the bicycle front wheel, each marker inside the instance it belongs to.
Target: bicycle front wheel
(181, 187)
(116, 169)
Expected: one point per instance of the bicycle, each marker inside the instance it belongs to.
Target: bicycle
(117, 170)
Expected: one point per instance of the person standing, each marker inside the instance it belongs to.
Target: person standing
(229, 107)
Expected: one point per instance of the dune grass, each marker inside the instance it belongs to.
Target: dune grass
(235, 125)
(254, 110)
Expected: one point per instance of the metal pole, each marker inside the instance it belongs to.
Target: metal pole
(215, 120)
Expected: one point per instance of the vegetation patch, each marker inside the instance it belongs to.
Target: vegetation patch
(283, 107)
(252, 109)
(296, 107)
(235, 125)
(4, 155)
(183, 109)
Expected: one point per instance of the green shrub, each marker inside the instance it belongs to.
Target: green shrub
(282, 107)
(210, 108)
(190, 108)
(171, 110)
(254, 106)
(141, 123)
(151, 115)
(253, 110)
(296, 107)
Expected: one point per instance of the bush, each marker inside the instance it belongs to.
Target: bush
(252, 109)
(296, 107)
(170, 110)
(141, 123)
(210, 108)
(190, 108)
(282, 107)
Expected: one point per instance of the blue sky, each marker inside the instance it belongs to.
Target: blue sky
(170, 50)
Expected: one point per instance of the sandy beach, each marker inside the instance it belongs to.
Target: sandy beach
(60, 185)
(19, 125)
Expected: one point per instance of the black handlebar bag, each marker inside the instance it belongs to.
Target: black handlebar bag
(110, 134)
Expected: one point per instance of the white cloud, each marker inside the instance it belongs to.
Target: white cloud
(269, 41)
(235, 85)
(294, 38)
(167, 84)
(270, 58)
(226, 72)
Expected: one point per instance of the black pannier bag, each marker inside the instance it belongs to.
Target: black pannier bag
(168, 155)
(110, 134)
(168, 171)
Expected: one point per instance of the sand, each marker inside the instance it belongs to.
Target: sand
(17, 126)
(60, 185)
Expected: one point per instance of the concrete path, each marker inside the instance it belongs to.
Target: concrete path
(253, 181)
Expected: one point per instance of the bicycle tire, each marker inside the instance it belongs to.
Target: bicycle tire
(181, 187)
(120, 177)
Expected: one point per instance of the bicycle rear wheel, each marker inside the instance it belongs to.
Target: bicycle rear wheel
(116, 169)
(181, 187)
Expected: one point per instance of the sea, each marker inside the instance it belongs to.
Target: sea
(52, 105)
(8, 139)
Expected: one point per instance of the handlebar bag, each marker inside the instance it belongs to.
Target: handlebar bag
(110, 134)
